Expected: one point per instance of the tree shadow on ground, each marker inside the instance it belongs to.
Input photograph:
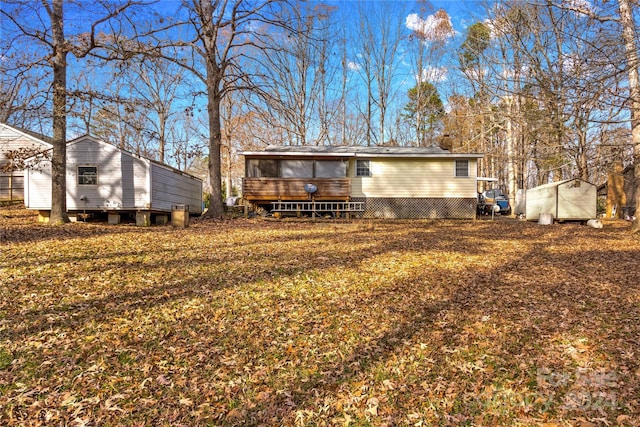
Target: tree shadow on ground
(529, 314)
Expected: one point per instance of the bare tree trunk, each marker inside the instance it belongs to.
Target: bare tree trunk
(214, 78)
(229, 181)
(345, 76)
(59, 158)
(216, 207)
(510, 136)
(631, 49)
(162, 138)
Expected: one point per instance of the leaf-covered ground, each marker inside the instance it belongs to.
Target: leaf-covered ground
(254, 322)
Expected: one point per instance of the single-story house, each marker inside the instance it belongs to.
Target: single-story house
(376, 182)
(15, 146)
(105, 178)
(569, 200)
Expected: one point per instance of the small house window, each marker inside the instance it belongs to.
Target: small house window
(87, 175)
(363, 167)
(462, 168)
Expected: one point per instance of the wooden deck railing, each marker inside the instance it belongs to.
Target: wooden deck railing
(274, 189)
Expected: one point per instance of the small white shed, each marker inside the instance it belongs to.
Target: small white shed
(570, 200)
(105, 178)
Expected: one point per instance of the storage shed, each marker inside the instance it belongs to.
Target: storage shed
(570, 200)
(15, 146)
(104, 178)
(375, 182)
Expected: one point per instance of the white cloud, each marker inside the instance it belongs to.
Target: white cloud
(436, 27)
(476, 73)
(433, 74)
(353, 66)
(498, 27)
(580, 6)
(510, 73)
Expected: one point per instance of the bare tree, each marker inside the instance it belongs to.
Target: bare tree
(297, 75)
(48, 32)
(542, 72)
(216, 41)
(20, 98)
(431, 36)
(378, 45)
(629, 32)
(629, 35)
(156, 83)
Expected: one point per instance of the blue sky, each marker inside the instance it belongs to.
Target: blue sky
(462, 14)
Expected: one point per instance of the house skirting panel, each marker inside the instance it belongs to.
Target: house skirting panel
(413, 207)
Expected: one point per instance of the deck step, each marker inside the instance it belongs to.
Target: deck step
(317, 206)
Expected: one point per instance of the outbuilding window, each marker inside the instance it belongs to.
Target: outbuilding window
(462, 168)
(363, 167)
(87, 175)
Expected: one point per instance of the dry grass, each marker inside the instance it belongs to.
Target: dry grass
(249, 322)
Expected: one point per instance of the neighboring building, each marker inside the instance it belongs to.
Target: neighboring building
(15, 146)
(376, 182)
(104, 178)
(619, 193)
(570, 200)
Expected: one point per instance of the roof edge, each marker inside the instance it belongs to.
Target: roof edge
(31, 135)
(99, 141)
(356, 154)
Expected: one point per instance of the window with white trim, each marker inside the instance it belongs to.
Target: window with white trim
(462, 168)
(363, 167)
(87, 175)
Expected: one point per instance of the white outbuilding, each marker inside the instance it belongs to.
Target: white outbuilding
(569, 200)
(105, 178)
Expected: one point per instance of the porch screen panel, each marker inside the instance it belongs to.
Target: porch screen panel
(296, 168)
(331, 169)
(259, 168)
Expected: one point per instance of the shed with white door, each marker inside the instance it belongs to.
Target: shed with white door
(570, 200)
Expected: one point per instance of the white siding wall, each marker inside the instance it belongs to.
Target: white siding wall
(414, 178)
(11, 140)
(577, 200)
(37, 187)
(172, 188)
(122, 179)
(540, 200)
(567, 200)
(125, 182)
